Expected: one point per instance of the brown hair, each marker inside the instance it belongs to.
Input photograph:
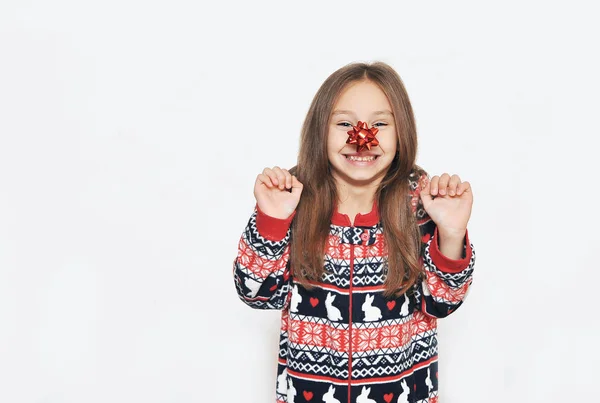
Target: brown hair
(311, 225)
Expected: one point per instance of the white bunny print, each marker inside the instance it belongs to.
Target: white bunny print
(282, 382)
(253, 285)
(404, 307)
(364, 396)
(296, 299)
(291, 393)
(328, 397)
(403, 398)
(372, 313)
(332, 312)
(428, 380)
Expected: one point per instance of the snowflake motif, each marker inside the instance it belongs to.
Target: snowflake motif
(390, 337)
(366, 339)
(313, 334)
(295, 328)
(336, 249)
(337, 339)
(424, 322)
(344, 251)
(260, 267)
(264, 269)
(246, 255)
(440, 289)
(332, 242)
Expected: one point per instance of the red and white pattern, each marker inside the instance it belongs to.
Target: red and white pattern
(344, 321)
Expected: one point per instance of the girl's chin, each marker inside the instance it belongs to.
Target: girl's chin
(358, 177)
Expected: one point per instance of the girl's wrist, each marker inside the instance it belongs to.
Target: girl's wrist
(452, 234)
(451, 243)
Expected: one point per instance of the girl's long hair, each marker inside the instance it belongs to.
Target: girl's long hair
(311, 225)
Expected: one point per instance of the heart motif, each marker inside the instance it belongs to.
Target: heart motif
(314, 301)
(307, 395)
(426, 238)
(391, 305)
(388, 397)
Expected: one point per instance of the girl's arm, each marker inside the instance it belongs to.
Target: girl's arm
(448, 263)
(261, 270)
(446, 280)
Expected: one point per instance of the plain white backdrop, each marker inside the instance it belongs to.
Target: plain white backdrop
(131, 133)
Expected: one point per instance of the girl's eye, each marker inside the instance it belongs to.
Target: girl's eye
(346, 124)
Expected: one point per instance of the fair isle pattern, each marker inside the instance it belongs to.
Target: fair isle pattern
(454, 280)
(343, 341)
(261, 263)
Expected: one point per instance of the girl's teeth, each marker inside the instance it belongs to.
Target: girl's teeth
(362, 159)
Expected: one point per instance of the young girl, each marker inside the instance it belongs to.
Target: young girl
(358, 248)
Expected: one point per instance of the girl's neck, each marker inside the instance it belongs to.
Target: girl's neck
(354, 200)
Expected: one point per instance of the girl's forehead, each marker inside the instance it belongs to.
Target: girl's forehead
(362, 97)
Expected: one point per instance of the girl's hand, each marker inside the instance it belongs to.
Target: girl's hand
(448, 202)
(273, 195)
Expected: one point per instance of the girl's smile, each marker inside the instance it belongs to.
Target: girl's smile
(361, 159)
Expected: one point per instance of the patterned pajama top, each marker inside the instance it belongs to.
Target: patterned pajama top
(343, 341)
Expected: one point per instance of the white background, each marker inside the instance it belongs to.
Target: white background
(131, 135)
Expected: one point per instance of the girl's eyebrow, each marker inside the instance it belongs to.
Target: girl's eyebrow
(347, 112)
(386, 112)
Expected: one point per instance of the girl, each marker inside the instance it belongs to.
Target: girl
(358, 248)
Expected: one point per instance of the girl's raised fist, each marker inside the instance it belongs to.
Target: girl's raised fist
(277, 192)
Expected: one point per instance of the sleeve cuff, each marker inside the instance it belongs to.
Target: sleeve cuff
(271, 228)
(444, 263)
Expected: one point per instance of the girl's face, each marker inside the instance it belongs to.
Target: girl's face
(366, 102)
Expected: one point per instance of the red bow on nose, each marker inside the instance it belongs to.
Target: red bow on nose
(362, 136)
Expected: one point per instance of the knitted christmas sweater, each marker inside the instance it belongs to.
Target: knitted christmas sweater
(343, 341)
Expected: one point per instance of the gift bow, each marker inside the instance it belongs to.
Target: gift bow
(362, 136)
